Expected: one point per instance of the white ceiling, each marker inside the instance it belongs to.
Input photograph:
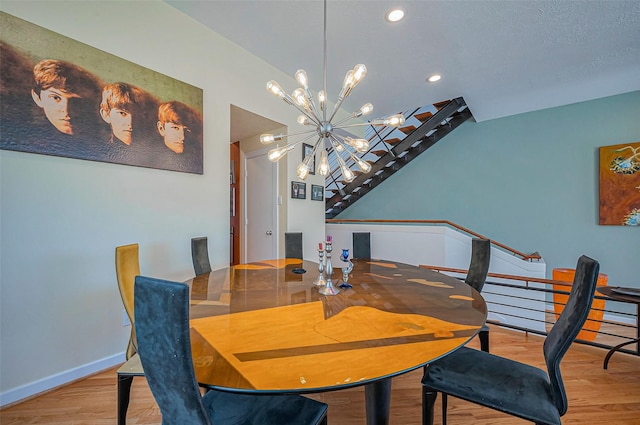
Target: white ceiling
(503, 57)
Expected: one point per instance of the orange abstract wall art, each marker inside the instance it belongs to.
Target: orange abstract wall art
(620, 184)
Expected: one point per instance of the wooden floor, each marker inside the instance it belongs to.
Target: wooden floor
(596, 396)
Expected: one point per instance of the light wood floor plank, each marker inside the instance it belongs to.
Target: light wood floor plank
(596, 396)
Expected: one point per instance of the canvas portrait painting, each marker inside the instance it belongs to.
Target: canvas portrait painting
(64, 98)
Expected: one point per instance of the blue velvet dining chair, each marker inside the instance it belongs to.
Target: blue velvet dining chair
(509, 386)
(200, 255)
(162, 325)
(477, 276)
(293, 245)
(361, 245)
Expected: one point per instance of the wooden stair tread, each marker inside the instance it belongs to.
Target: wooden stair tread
(408, 129)
(379, 153)
(392, 141)
(423, 116)
(440, 105)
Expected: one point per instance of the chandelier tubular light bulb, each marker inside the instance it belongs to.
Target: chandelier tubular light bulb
(359, 72)
(366, 109)
(346, 172)
(322, 98)
(364, 166)
(360, 145)
(304, 120)
(302, 170)
(276, 153)
(323, 166)
(394, 120)
(301, 78)
(275, 89)
(348, 80)
(337, 145)
(265, 139)
(347, 85)
(300, 97)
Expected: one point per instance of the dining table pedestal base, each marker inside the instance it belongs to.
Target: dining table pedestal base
(378, 400)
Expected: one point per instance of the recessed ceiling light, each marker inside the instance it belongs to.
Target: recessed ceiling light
(434, 78)
(394, 15)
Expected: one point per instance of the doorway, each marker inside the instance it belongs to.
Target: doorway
(234, 210)
(256, 196)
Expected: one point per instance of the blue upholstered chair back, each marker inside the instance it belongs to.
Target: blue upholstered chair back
(361, 245)
(200, 256)
(293, 245)
(162, 326)
(566, 328)
(479, 264)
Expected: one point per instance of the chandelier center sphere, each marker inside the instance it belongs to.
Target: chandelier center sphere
(325, 129)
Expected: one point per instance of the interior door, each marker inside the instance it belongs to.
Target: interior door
(261, 232)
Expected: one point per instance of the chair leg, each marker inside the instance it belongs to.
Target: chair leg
(124, 391)
(444, 408)
(484, 340)
(429, 396)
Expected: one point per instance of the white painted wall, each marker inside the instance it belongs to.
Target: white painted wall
(446, 247)
(61, 219)
(302, 213)
(429, 245)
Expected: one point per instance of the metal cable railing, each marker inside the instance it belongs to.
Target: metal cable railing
(614, 327)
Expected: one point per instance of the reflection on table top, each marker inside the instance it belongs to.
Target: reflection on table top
(261, 327)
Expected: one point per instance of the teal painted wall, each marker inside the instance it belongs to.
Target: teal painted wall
(529, 181)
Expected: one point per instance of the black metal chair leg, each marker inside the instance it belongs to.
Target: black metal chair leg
(444, 408)
(428, 401)
(484, 340)
(124, 391)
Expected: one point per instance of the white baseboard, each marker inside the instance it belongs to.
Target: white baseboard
(53, 381)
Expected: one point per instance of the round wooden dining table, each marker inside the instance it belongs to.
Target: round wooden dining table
(264, 327)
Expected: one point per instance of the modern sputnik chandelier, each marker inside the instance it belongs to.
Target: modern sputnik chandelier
(315, 115)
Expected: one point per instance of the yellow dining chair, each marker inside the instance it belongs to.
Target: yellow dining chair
(127, 268)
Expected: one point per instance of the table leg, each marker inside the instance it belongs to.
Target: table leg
(619, 346)
(616, 348)
(378, 399)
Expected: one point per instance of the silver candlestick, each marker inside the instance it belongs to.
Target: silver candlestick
(320, 279)
(328, 289)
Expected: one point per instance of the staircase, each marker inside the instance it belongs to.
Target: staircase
(392, 148)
